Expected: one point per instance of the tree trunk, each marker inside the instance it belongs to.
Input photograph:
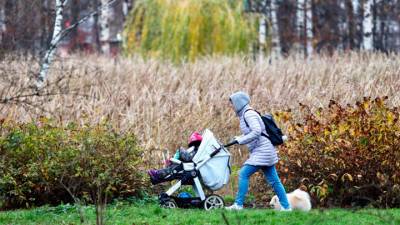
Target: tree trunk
(104, 21)
(382, 18)
(126, 7)
(351, 18)
(343, 26)
(48, 57)
(262, 35)
(375, 28)
(100, 204)
(300, 19)
(317, 28)
(276, 47)
(309, 27)
(359, 12)
(334, 21)
(368, 25)
(96, 24)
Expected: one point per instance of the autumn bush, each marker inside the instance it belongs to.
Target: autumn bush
(42, 162)
(344, 155)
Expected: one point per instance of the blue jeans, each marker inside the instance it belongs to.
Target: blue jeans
(270, 175)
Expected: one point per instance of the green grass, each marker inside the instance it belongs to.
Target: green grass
(128, 213)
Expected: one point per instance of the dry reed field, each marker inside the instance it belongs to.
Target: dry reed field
(162, 103)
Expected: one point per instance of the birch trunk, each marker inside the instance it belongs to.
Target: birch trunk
(104, 20)
(356, 6)
(262, 36)
(48, 57)
(368, 26)
(276, 47)
(300, 19)
(126, 6)
(309, 27)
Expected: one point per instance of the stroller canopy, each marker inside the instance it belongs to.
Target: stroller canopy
(216, 171)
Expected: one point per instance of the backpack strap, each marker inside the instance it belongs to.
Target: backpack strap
(244, 117)
(247, 125)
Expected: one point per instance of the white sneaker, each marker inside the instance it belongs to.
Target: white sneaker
(234, 207)
(286, 210)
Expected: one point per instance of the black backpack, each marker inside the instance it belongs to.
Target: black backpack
(274, 133)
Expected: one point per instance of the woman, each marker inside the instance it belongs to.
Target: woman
(262, 153)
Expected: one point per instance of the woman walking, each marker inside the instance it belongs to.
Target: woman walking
(263, 154)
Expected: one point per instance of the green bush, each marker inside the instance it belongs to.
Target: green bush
(344, 155)
(45, 163)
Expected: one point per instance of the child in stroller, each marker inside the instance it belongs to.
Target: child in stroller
(204, 163)
(185, 155)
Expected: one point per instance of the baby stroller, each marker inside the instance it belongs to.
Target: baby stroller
(210, 167)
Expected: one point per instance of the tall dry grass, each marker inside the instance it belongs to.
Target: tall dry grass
(163, 103)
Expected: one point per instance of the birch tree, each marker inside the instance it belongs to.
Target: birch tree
(262, 29)
(48, 57)
(304, 26)
(262, 35)
(356, 6)
(126, 7)
(261, 9)
(309, 27)
(368, 25)
(300, 18)
(59, 33)
(104, 20)
(276, 46)
(343, 26)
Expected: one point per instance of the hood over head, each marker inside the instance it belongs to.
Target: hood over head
(239, 100)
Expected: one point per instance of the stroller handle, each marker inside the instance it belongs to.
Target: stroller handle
(234, 142)
(225, 146)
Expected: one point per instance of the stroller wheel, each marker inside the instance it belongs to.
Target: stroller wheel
(213, 202)
(169, 204)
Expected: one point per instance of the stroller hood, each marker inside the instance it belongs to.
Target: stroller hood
(216, 171)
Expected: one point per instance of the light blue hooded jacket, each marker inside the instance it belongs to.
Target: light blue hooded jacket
(262, 152)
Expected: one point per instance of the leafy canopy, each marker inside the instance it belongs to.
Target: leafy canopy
(187, 29)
